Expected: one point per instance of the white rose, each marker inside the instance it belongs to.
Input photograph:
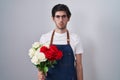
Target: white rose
(40, 56)
(36, 45)
(38, 50)
(35, 60)
(31, 52)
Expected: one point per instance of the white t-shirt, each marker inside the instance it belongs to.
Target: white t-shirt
(61, 39)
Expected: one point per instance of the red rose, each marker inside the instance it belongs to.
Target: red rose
(59, 55)
(52, 53)
(53, 48)
(43, 49)
(49, 55)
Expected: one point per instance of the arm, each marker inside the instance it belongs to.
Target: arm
(41, 76)
(79, 68)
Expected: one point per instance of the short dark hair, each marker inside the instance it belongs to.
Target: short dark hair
(61, 7)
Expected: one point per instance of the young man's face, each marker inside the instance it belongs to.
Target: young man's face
(61, 19)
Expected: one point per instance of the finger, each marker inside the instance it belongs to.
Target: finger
(40, 72)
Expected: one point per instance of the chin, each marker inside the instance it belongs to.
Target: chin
(62, 28)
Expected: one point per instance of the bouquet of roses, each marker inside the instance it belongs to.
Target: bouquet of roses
(44, 56)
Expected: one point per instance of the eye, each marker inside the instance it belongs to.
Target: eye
(57, 16)
(64, 16)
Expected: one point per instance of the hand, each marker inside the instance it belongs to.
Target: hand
(41, 76)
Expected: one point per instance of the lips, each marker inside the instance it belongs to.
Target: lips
(61, 23)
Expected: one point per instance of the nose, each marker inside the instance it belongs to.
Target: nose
(61, 18)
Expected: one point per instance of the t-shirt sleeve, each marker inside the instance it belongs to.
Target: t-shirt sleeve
(42, 39)
(45, 38)
(78, 45)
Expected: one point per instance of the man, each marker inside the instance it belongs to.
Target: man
(70, 66)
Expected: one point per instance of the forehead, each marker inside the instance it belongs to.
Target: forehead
(60, 13)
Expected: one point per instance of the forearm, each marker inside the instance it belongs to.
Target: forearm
(79, 70)
(40, 75)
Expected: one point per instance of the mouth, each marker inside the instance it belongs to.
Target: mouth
(61, 23)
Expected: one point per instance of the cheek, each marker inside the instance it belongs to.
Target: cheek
(55, 21)
(65, 22)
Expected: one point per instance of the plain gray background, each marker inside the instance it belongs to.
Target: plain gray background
(97, 22)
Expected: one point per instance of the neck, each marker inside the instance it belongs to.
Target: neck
(60, 30)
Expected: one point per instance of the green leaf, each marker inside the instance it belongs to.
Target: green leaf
(46, 69)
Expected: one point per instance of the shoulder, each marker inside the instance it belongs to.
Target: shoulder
(46, 34)
(76, 43)
(45, 37)
(74, 36)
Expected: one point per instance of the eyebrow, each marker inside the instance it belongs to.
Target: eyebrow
(60, 15)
